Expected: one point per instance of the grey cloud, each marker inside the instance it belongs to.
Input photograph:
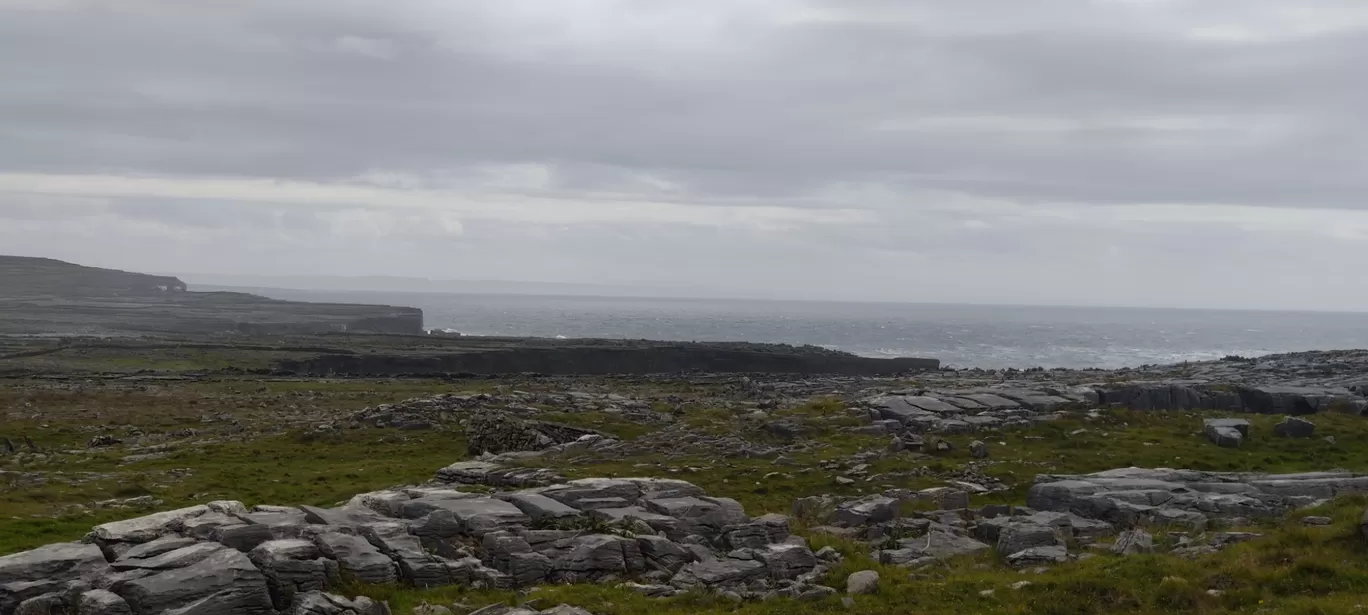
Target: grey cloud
(911, 110)
(265, 92)
(209, 215)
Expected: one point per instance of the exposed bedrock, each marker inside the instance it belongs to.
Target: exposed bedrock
(222, 558)
(993, 407)
(655, 536)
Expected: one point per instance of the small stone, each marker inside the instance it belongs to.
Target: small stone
(987, 593)
(1317, 521)
(565, 609)
(978, 449)
(863, 582)
(1017, 537)
(1033, 556)
(816, 592)
(431, 609)
(1226, 433)
(1293, 427)
(493, 609)
(1329, 439)
(842, 480)
(1020, 585)
(1132, 542)
(848, 602)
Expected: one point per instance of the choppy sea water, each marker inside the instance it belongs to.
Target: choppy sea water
(986, 336)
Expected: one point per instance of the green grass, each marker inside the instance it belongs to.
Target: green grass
(1294, 569)
(286, 469)
(162, 359)
(270, 464)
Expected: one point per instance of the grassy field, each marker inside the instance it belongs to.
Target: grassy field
(275, 459)
(275, 456)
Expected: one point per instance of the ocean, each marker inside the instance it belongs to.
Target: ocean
(988, 336)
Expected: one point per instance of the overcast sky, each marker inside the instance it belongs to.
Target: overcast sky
(1124, 152)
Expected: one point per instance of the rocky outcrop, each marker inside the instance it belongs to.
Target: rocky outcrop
(497, 432)
(194, 560)
(493, 474)
(1065, 511)
(967, 411)
(1160, 497)
(652, 536)
(319, 603)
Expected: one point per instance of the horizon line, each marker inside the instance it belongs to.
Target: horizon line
(741, 298)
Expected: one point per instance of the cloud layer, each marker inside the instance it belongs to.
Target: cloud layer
(1142, 152)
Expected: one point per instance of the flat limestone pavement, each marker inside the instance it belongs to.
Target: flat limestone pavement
(184, 562)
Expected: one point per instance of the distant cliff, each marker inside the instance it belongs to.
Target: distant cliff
(45, 296)
(22, 276)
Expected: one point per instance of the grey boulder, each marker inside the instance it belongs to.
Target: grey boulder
(147, 528)
(719, 573)
(293, 566)
(102, 602)
(416, 565)
(225, 583)
(863, 582)
(157, 547)
(244, 536)
(357, 558)
(565, 609)
(1293, 427)
(1227, 433)
(170, 560)
(479, 516)
(1036, 556)
(344, 516)
(766, 530)
(55, 562)
(42, 593)
(540, 508)
(868, 510)
(319, 603)
(596, 555)
(1132, 542)
(786, 561)
(514, 556)
(936, 545)
(1021, 536)
(662, 554)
